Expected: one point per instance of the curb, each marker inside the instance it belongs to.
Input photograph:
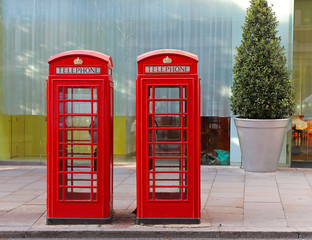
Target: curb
(153, 234)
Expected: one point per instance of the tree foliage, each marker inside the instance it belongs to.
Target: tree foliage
(262, 87)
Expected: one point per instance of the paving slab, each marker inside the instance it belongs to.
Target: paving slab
(235, 204)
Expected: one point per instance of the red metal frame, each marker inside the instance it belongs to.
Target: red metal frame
(168, 139)
(80, 140)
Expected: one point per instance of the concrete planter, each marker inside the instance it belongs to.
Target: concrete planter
(261, 141)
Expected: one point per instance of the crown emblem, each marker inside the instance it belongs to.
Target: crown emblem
(78, 61)
(167, 60)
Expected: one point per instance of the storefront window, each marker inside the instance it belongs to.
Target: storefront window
(302, 121)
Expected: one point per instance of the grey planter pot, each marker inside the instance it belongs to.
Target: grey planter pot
(261, 142)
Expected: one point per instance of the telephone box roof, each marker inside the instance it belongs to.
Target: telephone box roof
(89, 53)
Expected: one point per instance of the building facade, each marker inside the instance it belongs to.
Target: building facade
(32, 31)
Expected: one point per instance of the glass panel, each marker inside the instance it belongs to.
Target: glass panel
(150, 194)
(78, 108)
(60, 165)
(184, 92)
(173, 135)
(77, 121)
(79, 165)
(301, 141)
(167, 179)
(184, 193)
(94, 93)
(79, 150)
(171, 164)
(167, 121)
(150, 164)
(61, 92)
(78, 179)
(78, 93)
(167, 193)
(61, 150)
(167, 106)
(167, 92)
(78, 194)
(61, 108)
(184, 107)
(150, 107)
(60, 179)
(95, 108)
(150, 150)
(78, 136)
(150, 92)
(167, 150)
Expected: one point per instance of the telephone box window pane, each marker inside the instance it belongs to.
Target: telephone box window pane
(150, 194)
(150, 164)
(184, 92)
(163, 193)
(167, 92)
(184, 121)
(60, 179)
(184, 164)
(184, 150)
(184, 135)
(79, 165)
(150, 92)
(78, 136)
(94, 93)
(60, 165)
(78, 108)
(60, 92)
(77, 122)
(78, 93)
(60, 107)
(78, 180)
(170, 135)
(184, 194)
(167, 179)
(165, 164)
(61, 193)
(167, 107)
(78, 194)
(76, 150)
(95, 108)
(150, 150)
(150, 107)
(150, 121)
(61, 150)
(184, 107)
(60, 136)
(150, 136)
(167, 121)
(167, 150)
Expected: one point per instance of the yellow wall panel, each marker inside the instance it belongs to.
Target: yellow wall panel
(5, 137)
(119, 135)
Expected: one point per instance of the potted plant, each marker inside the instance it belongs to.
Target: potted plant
(263, 95)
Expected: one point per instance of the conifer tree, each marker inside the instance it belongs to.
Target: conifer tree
(262, 87)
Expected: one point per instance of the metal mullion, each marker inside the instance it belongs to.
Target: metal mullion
(63, 132)
(167, 99)
(79, 100)
(167, 114)
(92, 133)
(153, 140)
(181, 135)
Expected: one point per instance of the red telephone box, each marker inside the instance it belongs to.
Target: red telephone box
(80, 138)
(168, 137)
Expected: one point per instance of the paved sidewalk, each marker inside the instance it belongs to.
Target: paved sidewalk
(234, 203)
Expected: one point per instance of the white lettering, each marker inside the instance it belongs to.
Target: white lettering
(167, 69)
(78, 70)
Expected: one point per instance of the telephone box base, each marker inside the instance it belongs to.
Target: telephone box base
(168, 221)
(66, 221)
